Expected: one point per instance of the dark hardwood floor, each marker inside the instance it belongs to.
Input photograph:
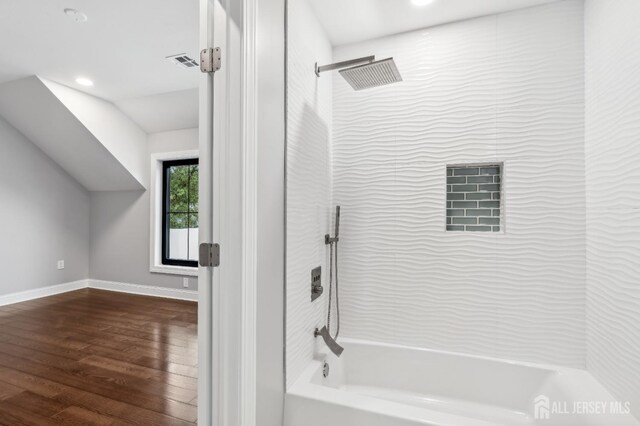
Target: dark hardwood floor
(93, 357)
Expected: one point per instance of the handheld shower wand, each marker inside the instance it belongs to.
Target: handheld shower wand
(325, 332)
(333, 250)
(327, 237)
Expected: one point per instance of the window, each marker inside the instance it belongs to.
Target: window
(180, 212)
(474, 197)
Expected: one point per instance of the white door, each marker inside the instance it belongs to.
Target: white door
(220, 307)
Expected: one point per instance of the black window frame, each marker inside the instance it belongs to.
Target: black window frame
(166, 165)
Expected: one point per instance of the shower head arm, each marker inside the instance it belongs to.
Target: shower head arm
(344, 64)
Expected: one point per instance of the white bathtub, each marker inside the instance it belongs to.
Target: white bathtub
(387, 385)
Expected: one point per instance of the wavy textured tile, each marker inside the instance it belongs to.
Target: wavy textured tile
(613, 83)
(613, 196)
(497, 88)
(308, 182)
(466, 98)
(541, 55)
(613, 309)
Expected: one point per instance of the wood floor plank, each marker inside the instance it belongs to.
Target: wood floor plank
(141, 372)
(171, 367)
(43, 337)
(163, 336)
(125, 391)
(12, 415)
(34, 384)
(79, 336)
(102, 405)
(78, 416)
(70, 340)
(111, 354)
(7, 390)
(117, 366)
(45, 407)
(98, 357)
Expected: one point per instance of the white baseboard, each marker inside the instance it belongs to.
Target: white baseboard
(36, 293)
(145, 290)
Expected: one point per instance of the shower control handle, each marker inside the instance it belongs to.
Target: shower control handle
(316, 283)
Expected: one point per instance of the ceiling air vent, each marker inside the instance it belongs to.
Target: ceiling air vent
(182, 60)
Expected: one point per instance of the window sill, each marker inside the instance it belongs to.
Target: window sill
(174, 270)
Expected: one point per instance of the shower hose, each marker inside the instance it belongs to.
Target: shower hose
(331, 261)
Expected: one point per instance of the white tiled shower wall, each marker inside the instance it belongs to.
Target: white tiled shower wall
(506, 88)
(613, 195)
(308, 181)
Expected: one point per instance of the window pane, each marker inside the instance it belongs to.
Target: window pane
(193, 190)
(193, 221)
(178, 188)
(178, 236)
(193, 237)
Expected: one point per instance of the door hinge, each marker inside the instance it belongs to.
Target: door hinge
(209, 255)
(210, 60)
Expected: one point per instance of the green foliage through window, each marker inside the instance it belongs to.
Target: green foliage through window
(180, 212)
(183, 196)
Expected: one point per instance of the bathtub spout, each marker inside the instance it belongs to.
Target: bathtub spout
(331, 343)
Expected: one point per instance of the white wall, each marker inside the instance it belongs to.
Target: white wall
(44, 217)
(498, 88)
(308, 181)
(613, 195)
(123, 138)
(270, 211)
(120, 225)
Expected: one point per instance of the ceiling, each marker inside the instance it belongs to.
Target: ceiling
(164, 111)
(122, 47)
(358, 20)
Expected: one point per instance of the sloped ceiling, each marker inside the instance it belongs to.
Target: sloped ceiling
(89, 137)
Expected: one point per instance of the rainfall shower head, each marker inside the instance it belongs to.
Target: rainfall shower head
(365, 73)
(374, 74)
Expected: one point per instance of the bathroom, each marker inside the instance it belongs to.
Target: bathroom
(320, 212)
(482, 266)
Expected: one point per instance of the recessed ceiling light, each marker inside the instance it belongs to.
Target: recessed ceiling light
(84, 81)
(421, 2)
(76, 15)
